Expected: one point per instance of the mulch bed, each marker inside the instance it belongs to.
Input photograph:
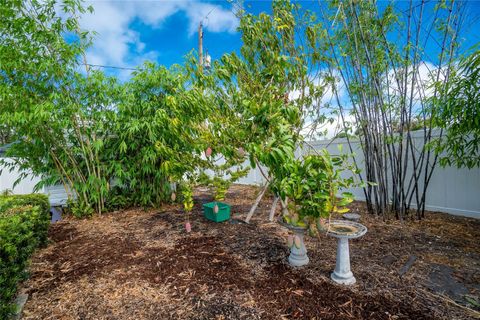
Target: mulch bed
(138, 264)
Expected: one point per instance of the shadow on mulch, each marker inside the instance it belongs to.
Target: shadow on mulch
(63, 233)
(77, 255)
(202, 265)
(142, 265)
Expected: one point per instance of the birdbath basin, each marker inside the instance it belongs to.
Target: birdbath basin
(298, 252)
(355, 217)
(344, 230)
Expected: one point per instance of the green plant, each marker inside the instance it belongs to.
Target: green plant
(386, 85)
(160, 133)
(61, 119)
(312, 185)
(24, 222)
(268, 88)
(6, 192)
(457, 111)
(80, 209)
(222, 176)
(187, 200)
(221, 187)
(34, 199)
(117, 199)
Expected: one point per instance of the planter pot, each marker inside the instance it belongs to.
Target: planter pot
(223, 213)
(343, 231)
(298, 254)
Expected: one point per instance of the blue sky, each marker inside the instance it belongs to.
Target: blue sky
(130, 32)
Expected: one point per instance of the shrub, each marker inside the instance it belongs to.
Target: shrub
(79, 209)
(24, 222)
(11, 201)
(118, 198)
(312, 185)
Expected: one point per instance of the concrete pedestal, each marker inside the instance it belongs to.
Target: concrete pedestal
(342, 273)
(343, 231)
(298, 256)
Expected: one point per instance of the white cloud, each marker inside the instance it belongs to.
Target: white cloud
(325, 105)
(329, 129)
(425, 74)
(117, 44)
(155, 13)
(218, 20)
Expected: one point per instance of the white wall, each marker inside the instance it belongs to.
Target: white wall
(56, 194)
(7, 179)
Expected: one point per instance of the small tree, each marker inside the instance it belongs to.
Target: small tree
(313, 185)
(157, 128)
(60, 118)
(376, 56)
(269, 87)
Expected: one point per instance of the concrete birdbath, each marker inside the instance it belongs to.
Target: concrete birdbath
(298, 253)
(344, 230)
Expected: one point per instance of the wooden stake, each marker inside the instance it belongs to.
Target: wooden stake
(257, 201)
(284, 206)
(272, 209)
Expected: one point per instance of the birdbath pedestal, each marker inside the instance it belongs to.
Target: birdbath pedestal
(343, 231)
(298, 255)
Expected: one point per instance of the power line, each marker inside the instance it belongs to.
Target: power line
(133, 69)
(107, 67)
(206, 17)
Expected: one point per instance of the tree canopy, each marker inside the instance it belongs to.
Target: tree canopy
(135, 143)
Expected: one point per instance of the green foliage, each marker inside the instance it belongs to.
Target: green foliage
(79, 209)
(459, 115)
(11, 201)
(71, 147)
(377, 56)
(86, 131)
(118, 198)
(312, 185)
(272, 95)
(160, 128)
(61, 119)
(23, 227)
(267, 87)
(223, 175)
(221, 187)
(187, 198)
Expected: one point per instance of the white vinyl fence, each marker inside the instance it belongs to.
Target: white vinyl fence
(451, 190)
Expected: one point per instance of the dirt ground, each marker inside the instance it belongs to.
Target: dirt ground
(137, 264)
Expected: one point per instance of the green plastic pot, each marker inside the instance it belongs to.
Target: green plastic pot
(223, 213)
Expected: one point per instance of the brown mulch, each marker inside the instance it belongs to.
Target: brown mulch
(139, 264)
